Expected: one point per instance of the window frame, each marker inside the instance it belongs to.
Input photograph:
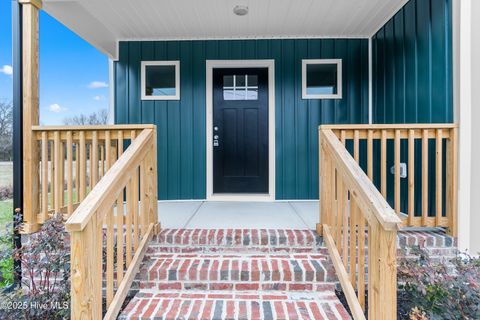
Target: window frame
(145, 64)
(338, 95)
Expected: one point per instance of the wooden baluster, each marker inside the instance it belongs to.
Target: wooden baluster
(135, 201)
(353, 241)
(451, 182)
(89, 160)
(102, 161)
(128, 222)
(356, 145)
(83, 167)
(340, 209)
(424, 177)
(110, 227)
(370, 154)
(143, 199)
(383, 163)
(77, 170)
(52, 175)
(61, 174)
(334, 186)
(397, 172)
(120, 219)
(439, 177)
(411, 177)
(58, 182)
(354, 216)
(69, 173)
(94, 160)
(346, 213)
(361, 260)
(120, 235)
(44, 215)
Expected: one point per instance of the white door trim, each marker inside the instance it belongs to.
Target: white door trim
(270, 64)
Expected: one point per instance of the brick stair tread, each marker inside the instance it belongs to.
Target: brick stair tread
(228, 271)
(243, 240)
(150, 304)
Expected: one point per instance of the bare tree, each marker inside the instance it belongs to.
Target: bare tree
(95, 118)
(6, 130)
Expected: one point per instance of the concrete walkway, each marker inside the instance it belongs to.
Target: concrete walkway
(240, 215)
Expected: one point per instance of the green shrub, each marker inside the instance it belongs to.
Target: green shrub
(45, 292)
(446, 289)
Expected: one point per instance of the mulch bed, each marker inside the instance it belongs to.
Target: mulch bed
(402, 303)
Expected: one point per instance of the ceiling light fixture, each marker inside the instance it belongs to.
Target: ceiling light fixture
(240, 10)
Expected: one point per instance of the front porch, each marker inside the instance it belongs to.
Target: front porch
(298, 215)
(288, 139)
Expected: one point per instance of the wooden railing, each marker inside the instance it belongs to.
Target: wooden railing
(353, 213)
(118, 218)
(72, 160)
(425, 194)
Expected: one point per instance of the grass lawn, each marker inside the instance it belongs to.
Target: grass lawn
(6, 210)
(6, 173)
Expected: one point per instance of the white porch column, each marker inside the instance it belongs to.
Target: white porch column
(466, 46)
(475, 121)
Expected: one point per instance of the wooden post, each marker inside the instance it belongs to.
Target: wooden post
(86, 275)
(324, 184)
(152, 168)
(452, 182)
(382, 273)
(30, 113)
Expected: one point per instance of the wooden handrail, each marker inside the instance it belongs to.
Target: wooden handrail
(95, 127)
(123, 206)
(389, 126)
(354, 213)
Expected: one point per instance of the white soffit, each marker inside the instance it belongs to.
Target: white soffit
(105, 22)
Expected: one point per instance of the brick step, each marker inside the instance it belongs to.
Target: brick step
(294, 272)
(234, 305)
(236, 240)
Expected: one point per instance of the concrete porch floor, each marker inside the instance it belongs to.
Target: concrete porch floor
(238, 215)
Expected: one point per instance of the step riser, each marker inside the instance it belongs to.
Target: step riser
(159, 249)
(239, 238)
(227, 272)
(238, 286)
(234, 306)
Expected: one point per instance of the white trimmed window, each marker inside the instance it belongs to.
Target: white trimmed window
(322, 79)
(160, 80)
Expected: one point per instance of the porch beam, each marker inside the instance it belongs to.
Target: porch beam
(30, 76)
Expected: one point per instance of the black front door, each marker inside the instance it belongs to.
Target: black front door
(240, 130)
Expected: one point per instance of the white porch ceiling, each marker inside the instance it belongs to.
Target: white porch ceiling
(105, 22)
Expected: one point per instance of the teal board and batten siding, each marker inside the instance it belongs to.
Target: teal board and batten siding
(412, 81)
(412, 65)
(181, 124)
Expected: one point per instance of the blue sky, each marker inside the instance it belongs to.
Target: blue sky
(73, 74)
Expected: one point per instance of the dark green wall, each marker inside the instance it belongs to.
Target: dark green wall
(412, 82)
(412, 65)
(181, 124)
